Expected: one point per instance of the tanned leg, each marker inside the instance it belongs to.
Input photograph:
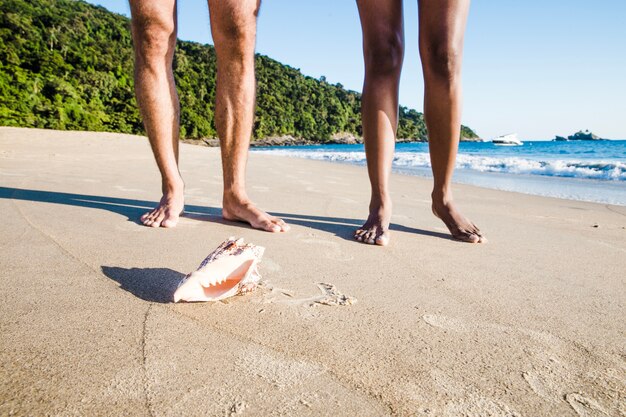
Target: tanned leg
(233, 25)
(383, 50)
(154, 37)
(441, 32)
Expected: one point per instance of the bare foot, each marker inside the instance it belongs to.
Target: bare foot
(375, 231)
(168, 211)
(460, 227)
(243, 210)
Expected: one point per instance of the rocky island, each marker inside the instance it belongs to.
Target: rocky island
(580, 135)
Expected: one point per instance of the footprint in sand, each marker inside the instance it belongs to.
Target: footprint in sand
(446, 323)
(269, 265)
(278, 370)
(541, 386)
(585, 407)
(549, 374)
(475, 405)
(129, 190)
(332, 250)
(346, 200)
(194, 191)
(311, 189)
(467, 400)
(261, 188)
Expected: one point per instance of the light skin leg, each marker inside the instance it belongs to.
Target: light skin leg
(154, 37)
(441, 33)
(233, 26)
(383, 50)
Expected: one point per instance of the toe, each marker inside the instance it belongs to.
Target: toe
(465, 236)
(170, 221)
(149, 220)
(270, 226)
(284, 227)
(158, 220)
(147, 217)
(383, 239)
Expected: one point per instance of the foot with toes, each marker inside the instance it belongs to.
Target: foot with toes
(167, 213)
(241, 209)
(459, 226)
(375, 231)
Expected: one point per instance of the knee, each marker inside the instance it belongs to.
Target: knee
(442, 60)
(154, 40)
(384, 55)
(236, 35)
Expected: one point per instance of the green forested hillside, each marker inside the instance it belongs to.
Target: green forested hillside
(66, 64)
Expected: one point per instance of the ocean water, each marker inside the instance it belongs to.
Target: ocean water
(577, 170)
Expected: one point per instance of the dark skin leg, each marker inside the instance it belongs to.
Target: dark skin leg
(441, 33)
(383, 50)
(442, 26)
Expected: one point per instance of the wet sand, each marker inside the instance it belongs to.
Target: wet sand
(530, 324)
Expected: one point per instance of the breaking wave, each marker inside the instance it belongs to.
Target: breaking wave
(590, 169)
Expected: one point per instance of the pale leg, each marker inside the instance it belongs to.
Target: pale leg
(233, 25)
(154, 37)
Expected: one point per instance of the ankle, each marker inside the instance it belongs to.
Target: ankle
(441, 197)
(381, 200)
(174, 185)
(234, 196)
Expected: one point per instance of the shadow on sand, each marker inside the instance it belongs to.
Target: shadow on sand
(133, 209)
(156, 285)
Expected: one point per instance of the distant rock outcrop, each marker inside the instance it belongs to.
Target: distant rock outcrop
(580, 135)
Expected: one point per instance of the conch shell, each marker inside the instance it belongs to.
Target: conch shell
(229, 270)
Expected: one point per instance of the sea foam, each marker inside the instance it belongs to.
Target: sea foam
(569, 168)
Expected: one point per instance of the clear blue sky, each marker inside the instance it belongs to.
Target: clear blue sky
(538, 68)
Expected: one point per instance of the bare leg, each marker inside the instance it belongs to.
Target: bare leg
(383, 51)
(154, 37)
(233, 25)
(441, 32)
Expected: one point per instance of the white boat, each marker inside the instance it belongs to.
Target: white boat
(507, 140)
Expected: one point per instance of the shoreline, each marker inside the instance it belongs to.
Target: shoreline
(414, 162)
(288, 141)
(529, 323)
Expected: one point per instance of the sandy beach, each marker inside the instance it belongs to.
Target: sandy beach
(529, 324)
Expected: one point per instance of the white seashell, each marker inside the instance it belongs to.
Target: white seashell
(229, 270)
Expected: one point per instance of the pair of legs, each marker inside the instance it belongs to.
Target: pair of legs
(233, 25)
(441, 32)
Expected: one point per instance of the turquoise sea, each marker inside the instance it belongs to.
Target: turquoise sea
(577, 170)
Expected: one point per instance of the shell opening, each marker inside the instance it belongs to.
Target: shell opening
(232, 280)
